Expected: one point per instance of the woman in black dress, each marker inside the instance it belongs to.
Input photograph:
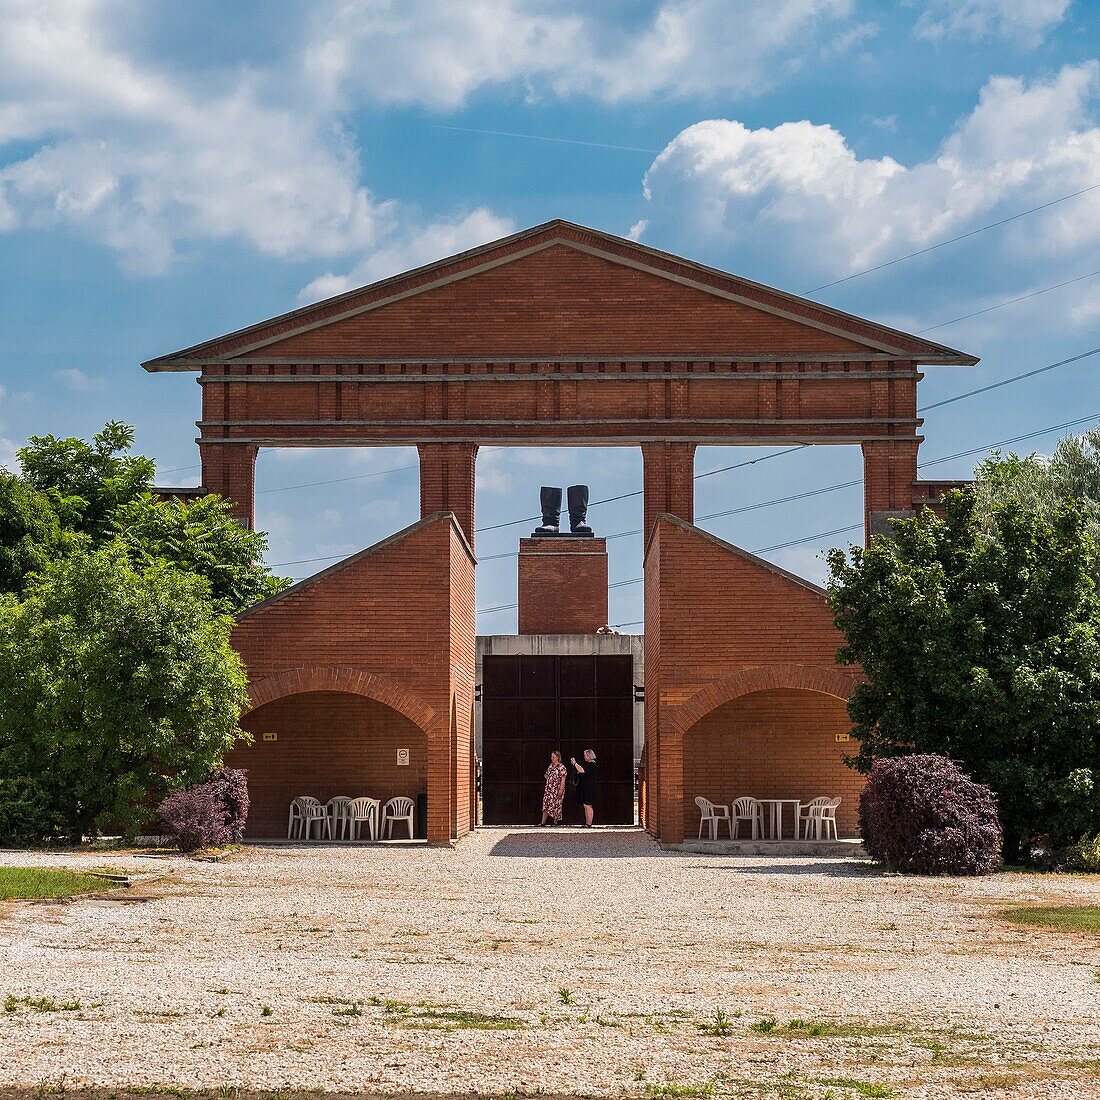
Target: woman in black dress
(586, 785)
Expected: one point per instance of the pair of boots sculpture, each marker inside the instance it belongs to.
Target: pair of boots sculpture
(551, 512)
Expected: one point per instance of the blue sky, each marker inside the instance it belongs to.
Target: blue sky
(172, 172)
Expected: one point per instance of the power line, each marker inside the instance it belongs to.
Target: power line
(829, 488)
(952, 240)
(1009, 302)
(1007, 381)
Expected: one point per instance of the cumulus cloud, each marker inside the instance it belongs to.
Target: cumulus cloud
(8, 460)
(438, 53)
(78, 381)
(1025, 22)
(797, 203)
(143, 157)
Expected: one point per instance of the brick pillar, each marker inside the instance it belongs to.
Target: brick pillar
(562, 585)
(229, 469)
(447, 482)
(889, 477)
(668, 473)
(672, 793)
(440, 781)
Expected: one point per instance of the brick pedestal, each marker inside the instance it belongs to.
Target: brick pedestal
(562, 585)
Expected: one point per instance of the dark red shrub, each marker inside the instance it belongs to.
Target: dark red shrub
(209, 814)
(195, 818)
(232, 791)
(922, 815)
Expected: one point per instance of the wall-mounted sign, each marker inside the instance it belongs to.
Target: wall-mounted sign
(403, 757)
(271, 737)
(844, 737)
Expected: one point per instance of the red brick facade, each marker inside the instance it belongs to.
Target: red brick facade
(392, 625)
(562, 334)
(562, 585)
(327, 743)
(556, 335)
(723, 627)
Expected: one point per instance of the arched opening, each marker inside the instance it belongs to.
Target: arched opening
(776, 743)
(326, 743)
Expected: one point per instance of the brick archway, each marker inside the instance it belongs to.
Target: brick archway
(314, 678)
(826, 681)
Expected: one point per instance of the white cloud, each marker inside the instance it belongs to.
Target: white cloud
(7, 454)
(78, 381)
(418, 246)
(438, 53)
(145, 161)
(1023, 21)
(798, 203)
(144, 157)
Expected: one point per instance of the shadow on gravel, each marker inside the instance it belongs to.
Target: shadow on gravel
(574, 843)
(824, 868)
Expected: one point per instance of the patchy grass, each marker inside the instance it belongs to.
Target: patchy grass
(719, 1024)
(674, 1089)
(458, 1019)
(1057, 918)
(40, 1004)
(861, 1088)
(43, 882)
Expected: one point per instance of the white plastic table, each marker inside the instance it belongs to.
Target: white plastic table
(777, 805)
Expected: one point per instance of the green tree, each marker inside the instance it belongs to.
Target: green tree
(201, 537)
(1070, 474)
(980, 640)
(73, 493)
(117, 684)
(87, 481)
(30, 534)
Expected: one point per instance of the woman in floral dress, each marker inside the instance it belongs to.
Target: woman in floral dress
(554, 794)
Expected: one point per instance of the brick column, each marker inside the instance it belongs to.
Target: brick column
(441, 779)
(889, 476)
(668, 474)
(229, 469)
(447, 482)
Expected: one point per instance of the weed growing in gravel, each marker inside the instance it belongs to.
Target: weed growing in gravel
(446, 1019)
(40, 1004)
(353, 1009)
(266, 1010)
(391, 1008)
(765, 1026)
(565, 996)
(674, 1089)
(863, 1088)
(720, 1024)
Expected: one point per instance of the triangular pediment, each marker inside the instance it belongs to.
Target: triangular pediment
(561, 292)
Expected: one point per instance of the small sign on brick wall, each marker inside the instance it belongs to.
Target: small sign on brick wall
(402, 757)
(271, 737)
(844, 737)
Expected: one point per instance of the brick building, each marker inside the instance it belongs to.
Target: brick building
(558, 335)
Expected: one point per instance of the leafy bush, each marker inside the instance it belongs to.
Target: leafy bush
(195, 818)
(1084, 855)
(208, 814)
(231, 787)
(26, 814)
(922, 815)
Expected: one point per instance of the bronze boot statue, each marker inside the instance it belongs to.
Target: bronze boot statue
(578, 510)
(551, 511)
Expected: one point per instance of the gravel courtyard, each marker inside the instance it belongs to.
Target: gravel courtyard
(557, 962)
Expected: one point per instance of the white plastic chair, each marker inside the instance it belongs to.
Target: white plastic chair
(295, 826)
(336, 808)
(713, 815)
(360, 810)
(825, 822)
(808, 816)
(313, 813)
(398, 809)
(747, 809)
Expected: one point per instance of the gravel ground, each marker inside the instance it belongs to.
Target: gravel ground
(558, 962)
